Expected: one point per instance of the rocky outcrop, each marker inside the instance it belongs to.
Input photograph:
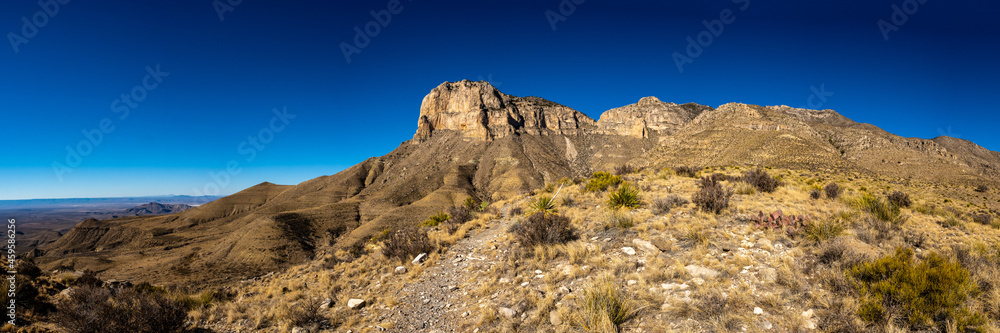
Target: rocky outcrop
(649, 116)
(478, 110)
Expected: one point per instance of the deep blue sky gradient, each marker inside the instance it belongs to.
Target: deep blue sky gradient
(936, 75)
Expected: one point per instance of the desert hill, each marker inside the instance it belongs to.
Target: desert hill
(474, 141)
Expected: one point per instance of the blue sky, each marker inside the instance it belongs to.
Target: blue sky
(221, 81)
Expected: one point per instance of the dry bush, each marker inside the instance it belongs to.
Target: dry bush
(662, 206)
(406, 243)
(624, 169)
(305, 312)
(815, 194)
(900, 199)
(98, 310)
(984, 219)
(982, 189)
(687, 171)
(712, 197)
(833, 190)
(761, 180)
(541, 228)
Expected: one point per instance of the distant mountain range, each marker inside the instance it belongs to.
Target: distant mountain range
(117, 201)
(474, 141)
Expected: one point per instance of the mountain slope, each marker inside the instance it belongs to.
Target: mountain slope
(475, 141)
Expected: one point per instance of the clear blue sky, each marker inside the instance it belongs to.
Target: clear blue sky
(936, 74)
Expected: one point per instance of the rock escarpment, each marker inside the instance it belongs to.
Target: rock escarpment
(649, 116)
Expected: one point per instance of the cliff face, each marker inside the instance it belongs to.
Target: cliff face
(478, 110)
(649, 116)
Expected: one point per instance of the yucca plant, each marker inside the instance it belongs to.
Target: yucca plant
(626, 196)
(543, 204)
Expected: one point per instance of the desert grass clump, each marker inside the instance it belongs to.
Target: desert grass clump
(900, 199)
(605, 306)
(436, 219)
(927, 294)
(406, 243)
(881, 209)
(92, 309)
(662, 206)
(820, 231)
(744, 188)
(542, 204)
(601, 181)
(687, 171)
(543, 229)
(620, 220)
(626, 196)
(712, 196)
(761, 180)
(833, 190)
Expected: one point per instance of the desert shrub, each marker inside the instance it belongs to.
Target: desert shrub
(470, 204)
(459, 215)
(89, 278)
(712, 196)
(483, 206)
(879, 208)
(436, 219)
(305, 312)
(820, 231)
(626, 196)
(663, 206)
(982, 189)
(815, 194)
(761, 180)
(624, 169)
(984, 219)
(900, 199)
(542, 204)
(405, 243)
(926, 293)
(568, 201)
(541, 228)
(604, 307)
(687, 171)
(92, 309)
(620, 220)
(833, 190)
(744, 188)
(601, 181)
(777, 220)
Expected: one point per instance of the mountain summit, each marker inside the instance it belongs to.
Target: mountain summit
(474, 141)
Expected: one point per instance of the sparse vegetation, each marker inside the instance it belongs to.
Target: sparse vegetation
(712, 196)
(928, 293)
(98, 310)
(543, 229)
(626, 196)
(761, 180)
(879, 208)
(406, 243)
(604, 307)
(601, 181)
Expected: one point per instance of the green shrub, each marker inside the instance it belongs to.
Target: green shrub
(761, 180)
(541, 229)
(712, 197)
(833, 190)
(542, 204)
(604, 307)
(601, 181)
(626, 196)
(927, 293)
(436, 219)
(880, 208)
